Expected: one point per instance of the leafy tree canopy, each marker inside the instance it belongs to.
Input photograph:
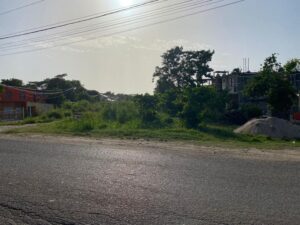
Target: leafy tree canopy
(271, 83)
(182, 69)
(12, 82)
(292, 66)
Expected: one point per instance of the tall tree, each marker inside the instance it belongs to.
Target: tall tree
(182, 69)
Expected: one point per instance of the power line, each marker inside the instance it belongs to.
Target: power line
(76, 29)
(75, 19)
(93, 28)
(141, 17)
(79, 21)
(127, 30)
(21, 7)
(131, 29)
(38, 92)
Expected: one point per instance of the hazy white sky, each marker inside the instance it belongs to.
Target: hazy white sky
(125, 62)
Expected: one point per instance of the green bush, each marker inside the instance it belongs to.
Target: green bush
(121, 112)
(29, 120)
(251, 111)
(147, 107)
(55, 114)
(244, 114)
(102, 126)
(87, 123)
(109, 112)
(202, 104)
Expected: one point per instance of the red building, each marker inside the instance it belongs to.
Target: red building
(17, 103)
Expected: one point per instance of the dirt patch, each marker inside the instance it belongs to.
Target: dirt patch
(270, 127)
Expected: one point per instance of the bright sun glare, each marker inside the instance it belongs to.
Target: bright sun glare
(126, 3)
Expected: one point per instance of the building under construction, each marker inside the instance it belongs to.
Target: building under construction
(236, 82)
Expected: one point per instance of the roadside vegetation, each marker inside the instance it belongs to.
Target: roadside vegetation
(124, 120)
(183, 106)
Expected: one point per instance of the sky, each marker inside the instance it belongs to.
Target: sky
(124, 62)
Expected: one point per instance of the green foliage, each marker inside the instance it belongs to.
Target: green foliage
(169, 102)
(1, 88)
(84, 116)
(250, 111)
(120, 112)
(87, 123)
(72, 90)
(244, 114)
(215, 135)
(180, 91)
(202, 104)
(109, 112)
(182, 69)
(78, 107)
(271, 64)
(30, 120)
(271, 84)
(12, 82)
(292, 66)
(55, 114)
(147, 106)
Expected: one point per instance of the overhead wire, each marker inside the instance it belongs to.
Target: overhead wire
(130, 29)
(91, 28)
(38, 92)
(21, 7)
(123, 31)
(162, 11)
(78, 21)
(67, 31)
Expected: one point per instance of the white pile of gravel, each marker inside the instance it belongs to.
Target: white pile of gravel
(270, 127)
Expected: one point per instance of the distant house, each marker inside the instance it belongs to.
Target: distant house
(18, 103)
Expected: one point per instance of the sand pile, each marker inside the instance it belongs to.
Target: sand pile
(271, 127)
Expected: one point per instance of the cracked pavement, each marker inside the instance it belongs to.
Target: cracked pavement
(53, 181)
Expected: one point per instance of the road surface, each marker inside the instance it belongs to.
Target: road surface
(64, 182)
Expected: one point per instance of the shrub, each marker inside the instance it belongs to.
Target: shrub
(251, 111)
(244, 114)
(55, 114)
(68, 114)
(87, 123)
(202, 104)
(29, 120)
(102, 126)
(109, 112)
(147, 106)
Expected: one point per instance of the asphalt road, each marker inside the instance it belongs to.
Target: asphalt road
(74, 182)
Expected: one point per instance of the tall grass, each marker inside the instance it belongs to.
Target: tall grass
(86, 117)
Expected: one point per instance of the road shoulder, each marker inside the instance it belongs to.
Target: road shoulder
(187, 147)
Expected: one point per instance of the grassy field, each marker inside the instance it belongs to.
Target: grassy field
(209, 135)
